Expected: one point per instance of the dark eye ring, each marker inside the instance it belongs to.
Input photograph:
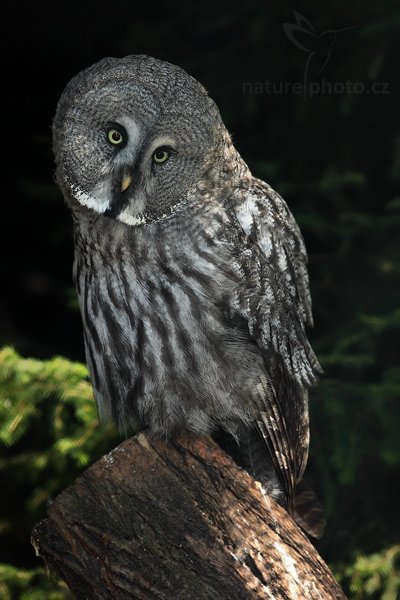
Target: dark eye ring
(161, 155)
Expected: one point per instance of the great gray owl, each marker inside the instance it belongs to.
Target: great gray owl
(191, 273)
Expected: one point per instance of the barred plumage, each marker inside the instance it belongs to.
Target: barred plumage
(191, 276)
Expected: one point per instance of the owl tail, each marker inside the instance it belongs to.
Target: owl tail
(308, 512)
(250, 453)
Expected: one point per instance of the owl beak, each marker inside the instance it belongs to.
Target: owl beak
(126, 182)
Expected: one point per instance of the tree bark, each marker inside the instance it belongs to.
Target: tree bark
(177, 521)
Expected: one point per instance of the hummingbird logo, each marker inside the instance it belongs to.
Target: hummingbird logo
(317, 45)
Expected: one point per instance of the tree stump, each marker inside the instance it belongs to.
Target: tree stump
(180, 521)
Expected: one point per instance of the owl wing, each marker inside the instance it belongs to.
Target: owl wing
(275, 302)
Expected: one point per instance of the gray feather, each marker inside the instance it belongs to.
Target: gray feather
(191, 273)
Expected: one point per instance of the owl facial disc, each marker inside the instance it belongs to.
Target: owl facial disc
(133, 137)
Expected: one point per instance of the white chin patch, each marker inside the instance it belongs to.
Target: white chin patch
(97, 199)
(129, 219)
(132, 214)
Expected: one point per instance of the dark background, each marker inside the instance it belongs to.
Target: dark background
(335, 157)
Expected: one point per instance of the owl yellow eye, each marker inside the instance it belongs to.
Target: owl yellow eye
(161, 155)
(115, 137)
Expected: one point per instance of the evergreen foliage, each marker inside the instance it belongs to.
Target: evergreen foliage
(376, 576)
(30, 584)
(49, 433)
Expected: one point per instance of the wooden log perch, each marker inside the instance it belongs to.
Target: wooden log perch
(157, 521)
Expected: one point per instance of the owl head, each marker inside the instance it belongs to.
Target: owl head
(133, 136)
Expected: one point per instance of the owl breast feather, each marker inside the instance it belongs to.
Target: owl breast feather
(162, 346)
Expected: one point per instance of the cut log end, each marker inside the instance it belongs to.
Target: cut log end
(154, 520)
